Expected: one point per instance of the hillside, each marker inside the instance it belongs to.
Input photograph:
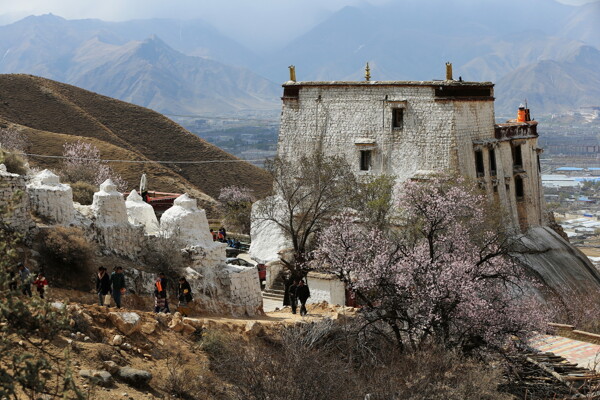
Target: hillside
(49, 108)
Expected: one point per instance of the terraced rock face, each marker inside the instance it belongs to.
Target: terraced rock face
(559, 264)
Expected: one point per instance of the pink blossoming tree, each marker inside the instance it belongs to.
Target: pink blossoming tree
(235, 204)
(444, 274)
(83, 164)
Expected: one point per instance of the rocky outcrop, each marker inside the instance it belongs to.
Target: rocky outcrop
(561, 266)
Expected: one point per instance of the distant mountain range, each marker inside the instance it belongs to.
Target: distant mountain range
(119, 60)
(539, 49)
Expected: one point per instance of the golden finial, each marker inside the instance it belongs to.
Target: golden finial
(449, 71)
(367, 73)
(292, 73)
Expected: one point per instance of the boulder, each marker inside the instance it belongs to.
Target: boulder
(176, 323)
(111, 366)
(117, 340)
(134, 377)
(188, 329)
(98, 377)
(127, 322)
(163, 318)
(148, 328)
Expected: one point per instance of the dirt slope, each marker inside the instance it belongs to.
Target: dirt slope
(48, 106)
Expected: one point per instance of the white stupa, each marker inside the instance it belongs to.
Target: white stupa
(141, 213)
(109, 206)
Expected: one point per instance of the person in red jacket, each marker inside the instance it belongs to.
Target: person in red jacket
(40, 283)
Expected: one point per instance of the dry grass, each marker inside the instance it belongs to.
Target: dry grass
(122, 131)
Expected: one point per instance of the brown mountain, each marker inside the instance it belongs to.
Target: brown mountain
(52, 113)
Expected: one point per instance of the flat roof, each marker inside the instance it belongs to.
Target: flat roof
(386, 83)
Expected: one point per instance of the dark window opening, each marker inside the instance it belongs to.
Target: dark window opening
(463, 91)
(507, 188)
(365, 160)
(519, 190)
(479, 163)
(291, 91)
(495, 189)
(539, 165)
(398, 118)
(517, 157)
(492, 162)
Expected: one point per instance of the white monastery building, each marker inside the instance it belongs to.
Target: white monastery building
(411, 129)
(418, 129)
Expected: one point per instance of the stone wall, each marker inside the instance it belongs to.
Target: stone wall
(326, 287)
(229, 290)
(14, 202)
(51, 200)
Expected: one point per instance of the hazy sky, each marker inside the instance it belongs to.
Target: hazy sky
(269, 22)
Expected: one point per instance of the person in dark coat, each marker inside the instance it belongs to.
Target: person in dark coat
(184, 291)
(24, 274)
(13, 281)
(160, 294)
(184, 295)
(293, 296)
(117, 279)
(302, 293)
(102, 284)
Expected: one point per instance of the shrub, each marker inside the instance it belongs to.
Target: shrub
(68, 247)
(15, 163)
(327, 360)
(83, 192)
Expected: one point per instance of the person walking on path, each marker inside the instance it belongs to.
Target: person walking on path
(13, 280)
(102, 285)
(293, 296)
(40, 283)
(117, 278)
(160, 294)
(302, 293)
(24, 274)
(184, 295)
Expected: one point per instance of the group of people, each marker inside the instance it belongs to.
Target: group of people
(220, 236)
(184, 295)
(110, 286)
(114, 287)
(22, 279)
(298, 290)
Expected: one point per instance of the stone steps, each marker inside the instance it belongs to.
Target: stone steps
(273, 295)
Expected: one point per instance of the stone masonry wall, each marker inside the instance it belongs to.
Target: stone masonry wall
(14, 202)
(324, 287)
(437, 135)
(50, 199)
